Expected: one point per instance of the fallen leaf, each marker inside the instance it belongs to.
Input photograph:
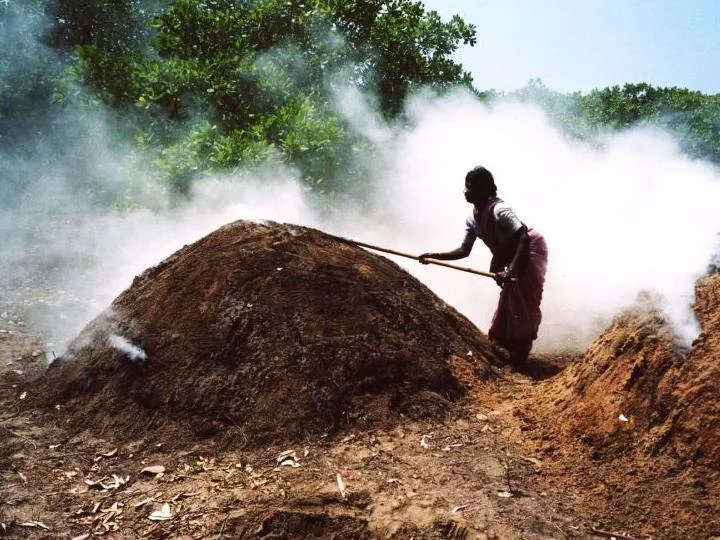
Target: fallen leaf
(35, 524)
(153, 469)
(81, 537)
(504, 494)
(164, 514)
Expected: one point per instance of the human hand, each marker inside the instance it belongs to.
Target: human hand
(500, 277)
(423, 258)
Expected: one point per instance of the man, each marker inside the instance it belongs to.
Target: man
(519, 261)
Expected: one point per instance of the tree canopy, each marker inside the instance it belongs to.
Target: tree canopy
(203, 86)
(221, 83)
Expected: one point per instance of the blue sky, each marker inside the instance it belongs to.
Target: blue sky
(585, 44)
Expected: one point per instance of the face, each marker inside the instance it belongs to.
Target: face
(476, 193)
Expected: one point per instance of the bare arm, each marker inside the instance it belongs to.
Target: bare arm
(458, 253)
(522, 243)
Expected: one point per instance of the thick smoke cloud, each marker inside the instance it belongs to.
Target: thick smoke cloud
(622, 215)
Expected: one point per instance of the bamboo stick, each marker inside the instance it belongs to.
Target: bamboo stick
(411, 256)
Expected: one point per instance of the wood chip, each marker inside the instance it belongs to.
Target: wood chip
(340, 485)
(143, 502)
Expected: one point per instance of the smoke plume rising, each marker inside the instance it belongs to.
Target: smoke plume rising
(622, 215)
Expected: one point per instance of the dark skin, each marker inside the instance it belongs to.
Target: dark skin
(478, 196)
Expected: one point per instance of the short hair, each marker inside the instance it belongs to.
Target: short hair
(480, 176)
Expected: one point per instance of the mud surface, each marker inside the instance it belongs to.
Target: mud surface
(297, 387)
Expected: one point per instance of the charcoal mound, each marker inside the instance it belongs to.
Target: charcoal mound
(266, 332)
(636, 391)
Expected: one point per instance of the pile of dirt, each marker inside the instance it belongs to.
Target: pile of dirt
(266, 332)
(637, 418)
(635, 386)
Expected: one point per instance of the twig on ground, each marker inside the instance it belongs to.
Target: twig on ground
(611, 534)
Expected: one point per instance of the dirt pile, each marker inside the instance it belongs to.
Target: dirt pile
(636, 421)
(636, 387)
(262, 332)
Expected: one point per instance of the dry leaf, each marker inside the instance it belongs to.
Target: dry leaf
(35, 524)
(154, 469)
(164, 514)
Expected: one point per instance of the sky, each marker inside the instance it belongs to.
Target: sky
(578, 45)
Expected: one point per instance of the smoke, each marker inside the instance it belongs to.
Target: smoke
(132, 352)
(629, 214)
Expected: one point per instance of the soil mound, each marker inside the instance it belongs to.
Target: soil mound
(636, 423)
(262, 332)
(636, 388)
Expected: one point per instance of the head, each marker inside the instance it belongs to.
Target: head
(479, 185)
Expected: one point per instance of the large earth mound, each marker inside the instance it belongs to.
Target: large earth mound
(263, 332)
(636, 388)
(636, 422)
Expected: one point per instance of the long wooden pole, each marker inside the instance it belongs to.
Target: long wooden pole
(411, 256)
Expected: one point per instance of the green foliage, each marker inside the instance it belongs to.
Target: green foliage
(215, 85)
(397, 46)
(692, 117)
(259, 72)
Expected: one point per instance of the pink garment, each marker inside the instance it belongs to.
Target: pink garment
(518, 313)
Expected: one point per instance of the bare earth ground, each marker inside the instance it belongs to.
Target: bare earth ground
(457, 479)
(535, 453)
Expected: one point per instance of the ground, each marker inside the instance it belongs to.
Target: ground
(536, 451)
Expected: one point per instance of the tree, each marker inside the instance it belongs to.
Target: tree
(255, 77)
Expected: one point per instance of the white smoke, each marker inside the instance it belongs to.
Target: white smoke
(131, 351)
(627, 215)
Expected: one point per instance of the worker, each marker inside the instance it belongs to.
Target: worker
(519, 262)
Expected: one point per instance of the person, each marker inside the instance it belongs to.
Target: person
(519, 262)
